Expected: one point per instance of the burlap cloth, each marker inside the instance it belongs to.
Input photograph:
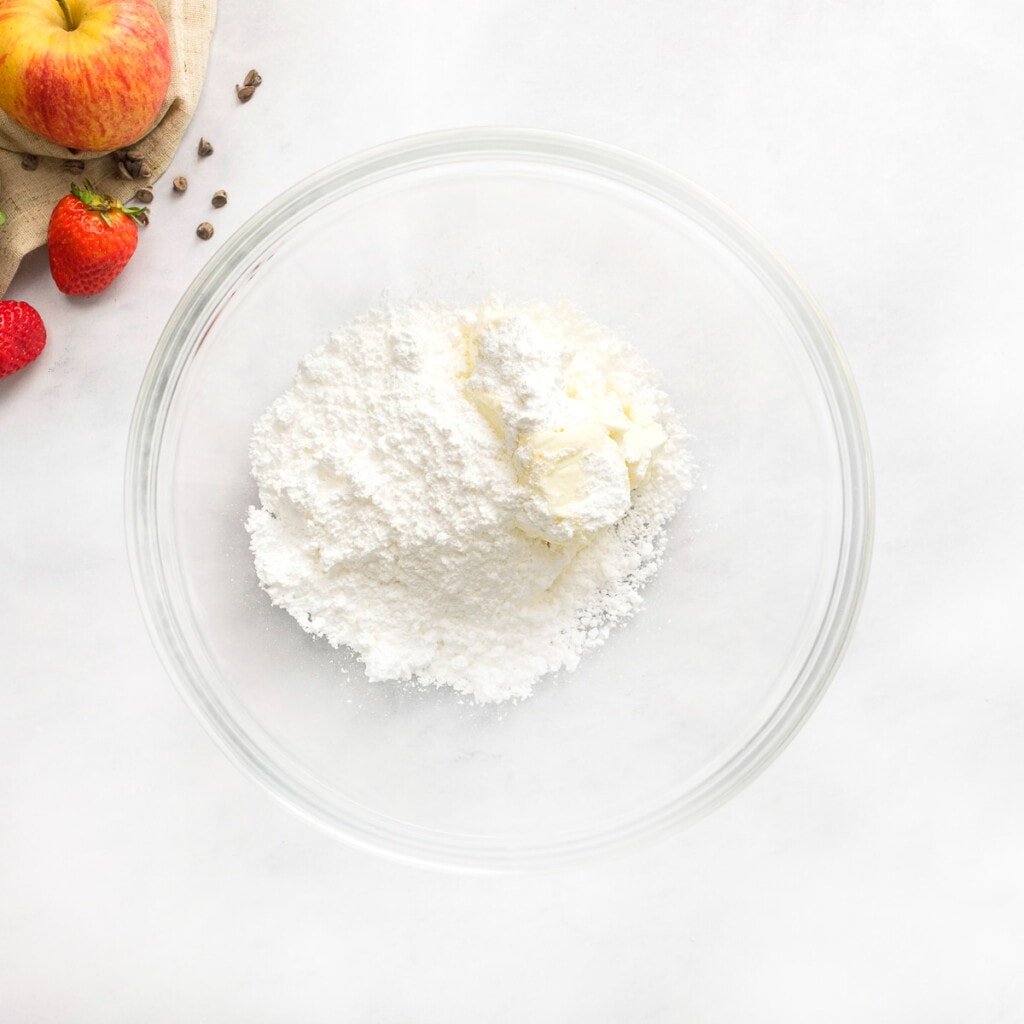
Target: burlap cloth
(28, 197)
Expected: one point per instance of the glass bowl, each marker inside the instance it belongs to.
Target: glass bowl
(740, 632)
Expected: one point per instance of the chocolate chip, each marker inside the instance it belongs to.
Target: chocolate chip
(205, 147)
(29, 161)
(220, 198)
(205, 230)
(180, 183)
(131, 166)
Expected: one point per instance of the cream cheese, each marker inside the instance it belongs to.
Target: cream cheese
(577, 445)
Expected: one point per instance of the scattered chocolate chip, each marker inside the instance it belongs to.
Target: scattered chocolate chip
(74, 165)
(205, 230)
(131, 165)
(144, 196)
(29, 161)
(253, 78)
(220, 198)
(180, 183)
(205, 147)
(245, 92)
(142, 217)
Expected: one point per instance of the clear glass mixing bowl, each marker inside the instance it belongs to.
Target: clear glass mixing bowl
(766, 564)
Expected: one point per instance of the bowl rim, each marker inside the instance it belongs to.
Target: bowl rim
(361, 827)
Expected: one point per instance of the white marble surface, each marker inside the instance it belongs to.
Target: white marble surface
(874, 873)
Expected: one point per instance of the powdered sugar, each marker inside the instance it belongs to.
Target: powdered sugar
(448, 492)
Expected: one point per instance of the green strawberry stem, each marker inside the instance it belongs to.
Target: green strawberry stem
(69, 21)
(103, 205)
(3, 218)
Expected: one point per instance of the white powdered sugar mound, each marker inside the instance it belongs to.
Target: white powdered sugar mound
(466, 497)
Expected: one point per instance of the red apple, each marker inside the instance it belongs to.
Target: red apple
(86, 74)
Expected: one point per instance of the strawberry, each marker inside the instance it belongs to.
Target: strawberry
(22, 336)
(91, 237)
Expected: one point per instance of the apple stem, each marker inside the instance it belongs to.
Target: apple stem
(69, 22)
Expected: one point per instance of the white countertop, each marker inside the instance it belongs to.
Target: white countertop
(874, 872)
